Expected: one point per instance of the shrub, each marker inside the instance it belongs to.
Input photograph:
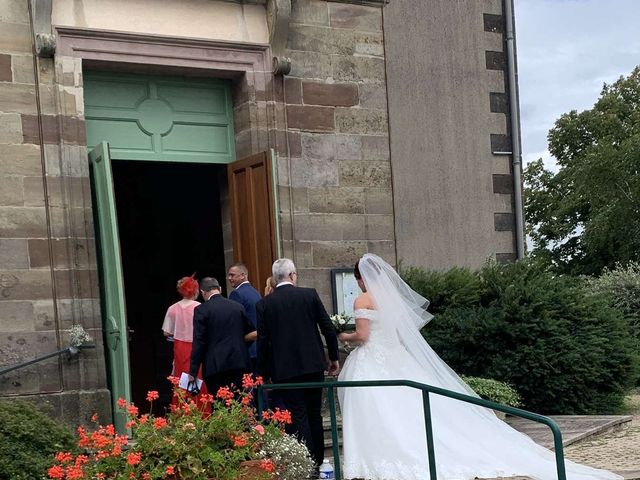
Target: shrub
(29, 440)
(621, 288)
(563, 350)
(455, 288)
(499, 392)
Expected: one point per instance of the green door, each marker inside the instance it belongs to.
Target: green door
(111, 281)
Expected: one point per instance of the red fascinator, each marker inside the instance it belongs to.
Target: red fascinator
(188, 286)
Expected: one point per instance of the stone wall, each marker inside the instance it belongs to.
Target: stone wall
(48, 276)
(336, 198)
(448, 108)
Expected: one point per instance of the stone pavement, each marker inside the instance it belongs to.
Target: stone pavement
(618, 451)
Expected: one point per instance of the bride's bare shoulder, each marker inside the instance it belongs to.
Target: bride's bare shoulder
(364, 301)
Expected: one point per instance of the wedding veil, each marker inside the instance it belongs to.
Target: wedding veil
(403, 312)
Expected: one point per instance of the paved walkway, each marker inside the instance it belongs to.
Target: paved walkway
(618, 451)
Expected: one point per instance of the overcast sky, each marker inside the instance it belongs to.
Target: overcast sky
(567, 49)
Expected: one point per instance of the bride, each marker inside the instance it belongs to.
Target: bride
(383, 427)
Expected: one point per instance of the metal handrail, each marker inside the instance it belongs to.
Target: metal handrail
(72, 351)
(426, 391)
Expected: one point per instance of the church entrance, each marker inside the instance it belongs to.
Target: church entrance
(169, 199)
(170, 223)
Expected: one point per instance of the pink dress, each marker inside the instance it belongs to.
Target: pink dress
(178, 322)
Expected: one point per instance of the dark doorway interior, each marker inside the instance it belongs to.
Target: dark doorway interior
(169, 220)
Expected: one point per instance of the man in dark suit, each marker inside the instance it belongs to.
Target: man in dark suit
(245, 294)
(220, 332)
(290, 350)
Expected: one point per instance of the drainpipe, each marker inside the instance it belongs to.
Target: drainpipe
(514, 110)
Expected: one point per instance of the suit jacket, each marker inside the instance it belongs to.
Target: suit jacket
(219, 327)
(247, 296)
(289, 343)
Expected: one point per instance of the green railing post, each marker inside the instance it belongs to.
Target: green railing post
(426, 404)
(260, 406)
(559, 449)
(331, 398)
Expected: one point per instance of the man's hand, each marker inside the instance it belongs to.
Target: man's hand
(191, 379)
(333, 367)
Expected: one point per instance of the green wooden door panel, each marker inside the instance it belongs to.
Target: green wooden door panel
(111, 281)
(160, 118)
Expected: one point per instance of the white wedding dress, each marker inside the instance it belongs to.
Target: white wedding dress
(383, 427)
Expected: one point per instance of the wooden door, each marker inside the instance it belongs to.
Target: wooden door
(111, 280)
(253, 215)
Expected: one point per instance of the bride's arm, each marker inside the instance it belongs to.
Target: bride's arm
(360, 335)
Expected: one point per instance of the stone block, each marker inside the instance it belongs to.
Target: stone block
(310, 12)
(365, 174)
(20, 159)
(498, 102)
(310, 65)
(16, 317)
(493, 23)
(311, 119)
(14, 12)
(303, 254)
(337, 254)
(56, 128)
(18, 98)
(292, 91)
(11, 131)
(337, 200)
(375, 147)
(25, 284)
(348, 147)
(500, 143)
(297, 196)
(295, 144)
(372, 95)
(379, 227)
(330, 94)
(11, 192)
(317, 278)
(329, 227)
(502, 184)
(85, 311)
(384, 249)
(23, 69)
(72, 221)
(504, 258)
(309, 172)
(22, 222)
(495, 60)
(23, 346)
(357, 69)
(378, 201)
(76, 283)
(318, 147)
(5, 68)
(361, 121)
(504, 222)
(15, 37)
(334, 41)
(355, 17)
(33, 191)
(14, 253)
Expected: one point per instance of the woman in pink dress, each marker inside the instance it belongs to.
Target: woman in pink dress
(178, 324)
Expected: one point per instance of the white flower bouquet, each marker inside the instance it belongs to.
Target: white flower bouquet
(343, 322)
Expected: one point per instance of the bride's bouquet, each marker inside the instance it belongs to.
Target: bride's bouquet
(343, 322)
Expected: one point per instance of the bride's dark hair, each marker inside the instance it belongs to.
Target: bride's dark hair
(356, 271)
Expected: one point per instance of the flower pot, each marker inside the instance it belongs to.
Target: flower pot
(251, 470)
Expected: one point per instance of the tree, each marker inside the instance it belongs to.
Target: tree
(587, 215)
